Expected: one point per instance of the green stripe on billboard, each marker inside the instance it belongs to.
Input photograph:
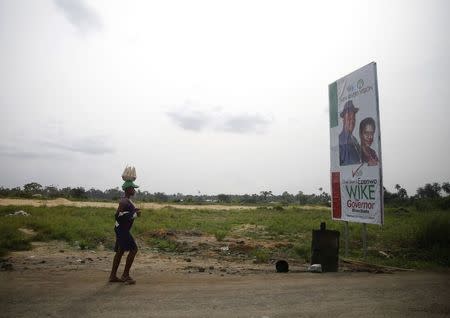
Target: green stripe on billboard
(333, 98)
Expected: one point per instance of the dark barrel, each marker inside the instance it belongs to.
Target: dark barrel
(325, 248)
(282, 266)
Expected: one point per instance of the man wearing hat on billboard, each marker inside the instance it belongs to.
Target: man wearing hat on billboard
(125, 215)
(349, 148)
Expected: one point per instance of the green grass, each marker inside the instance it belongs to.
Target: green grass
(163, 244)
(12, 239)
(87, 226)
(414, 239)
(220, 235)
(261, 255)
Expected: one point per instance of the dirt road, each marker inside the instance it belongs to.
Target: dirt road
(86, 294)
(56, 281)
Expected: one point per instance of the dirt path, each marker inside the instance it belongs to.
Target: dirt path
(55, 280)
(143, 205)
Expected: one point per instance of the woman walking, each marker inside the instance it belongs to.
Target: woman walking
(125, 215)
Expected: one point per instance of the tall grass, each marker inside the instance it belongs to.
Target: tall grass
(86, 226)
(12, 239)
(410, 238)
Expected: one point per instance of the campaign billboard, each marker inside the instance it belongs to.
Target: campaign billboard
(355, 145)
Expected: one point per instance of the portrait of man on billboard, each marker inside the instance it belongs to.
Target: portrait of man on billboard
(349, 148)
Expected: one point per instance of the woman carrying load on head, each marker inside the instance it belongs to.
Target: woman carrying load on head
(125, 215)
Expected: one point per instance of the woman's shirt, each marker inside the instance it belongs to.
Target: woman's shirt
(125, 215)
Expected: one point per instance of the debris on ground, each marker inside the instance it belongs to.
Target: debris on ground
(315, 268)
(27, 232)
(19, 213)
(6, 266)
(382, 253)
(359, 266)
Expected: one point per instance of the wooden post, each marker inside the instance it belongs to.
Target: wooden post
(364, 239)
(346, 239)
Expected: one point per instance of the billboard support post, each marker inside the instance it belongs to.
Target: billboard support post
(364, 239)
(346, 239)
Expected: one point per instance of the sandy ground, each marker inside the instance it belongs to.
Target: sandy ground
(142, 205)
(56, 280)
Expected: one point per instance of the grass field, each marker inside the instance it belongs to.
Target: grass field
(410, 238)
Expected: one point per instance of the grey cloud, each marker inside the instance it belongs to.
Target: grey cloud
(80, 15)
(56, 147)
(94, 145)
(195, 120)
(14, 152)
(245, 124)
(216, 119)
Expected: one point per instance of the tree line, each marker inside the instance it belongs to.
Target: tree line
(429, 192)
(431, 195)
(36, 190)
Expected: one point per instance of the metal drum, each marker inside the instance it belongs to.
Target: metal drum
(325, 248)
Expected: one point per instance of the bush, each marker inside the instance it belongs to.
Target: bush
(261, 254)
(445, 203)
(12, 239)
(434, 240)
(425, 205)
(436, 232)
(303, 252)
(220, 235)
(164, 244)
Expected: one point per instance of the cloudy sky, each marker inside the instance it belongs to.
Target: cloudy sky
(215, 96)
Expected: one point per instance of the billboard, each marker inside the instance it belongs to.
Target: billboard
(356, 169)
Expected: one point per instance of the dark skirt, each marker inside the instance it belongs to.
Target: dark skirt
(124, 241)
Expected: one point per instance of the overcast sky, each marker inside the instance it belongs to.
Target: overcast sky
(215, 96)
